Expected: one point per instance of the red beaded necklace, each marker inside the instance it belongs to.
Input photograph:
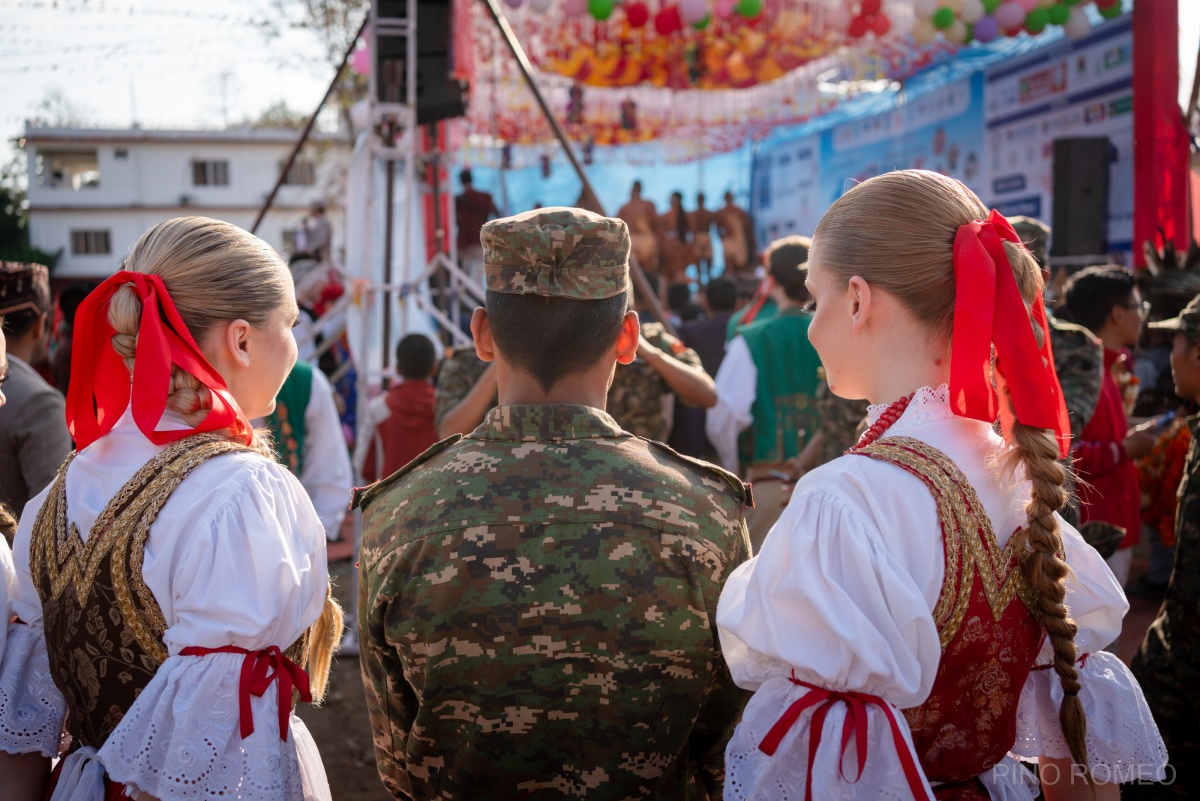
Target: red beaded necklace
(890, 415)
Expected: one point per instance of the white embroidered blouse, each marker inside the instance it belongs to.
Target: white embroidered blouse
(842, 593)
(236, 557)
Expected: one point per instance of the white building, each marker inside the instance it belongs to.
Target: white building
(93, 192)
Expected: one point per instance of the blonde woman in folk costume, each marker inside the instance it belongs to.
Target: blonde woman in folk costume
(172, 580)
(910, 624)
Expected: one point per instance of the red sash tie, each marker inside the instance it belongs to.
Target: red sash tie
(855, 725)
(259, 670)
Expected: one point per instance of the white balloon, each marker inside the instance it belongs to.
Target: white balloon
(957, 32)
(839, 18)
(1077, 25)
(925, 9)
(923, 32)
(540, 6)
(972, 11)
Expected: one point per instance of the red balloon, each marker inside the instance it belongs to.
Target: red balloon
(637, 14)
(667, 21)
(858, 27)
(871, 7)
(881, 24)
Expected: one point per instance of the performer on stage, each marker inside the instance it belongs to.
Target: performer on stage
(920, 611)
(172, 580)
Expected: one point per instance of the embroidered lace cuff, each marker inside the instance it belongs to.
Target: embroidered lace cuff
(31, 707)
(751, 774)
(1122, 740)
(181, 741)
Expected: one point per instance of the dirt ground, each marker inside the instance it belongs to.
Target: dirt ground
(340, 725)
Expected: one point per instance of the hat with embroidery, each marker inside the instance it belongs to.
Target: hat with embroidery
(1187, 323)
(557, 252)
(24, 287)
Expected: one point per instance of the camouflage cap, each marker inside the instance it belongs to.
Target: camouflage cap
(1034, 233)
(24, 286)
(557, 252)
(1188, 321)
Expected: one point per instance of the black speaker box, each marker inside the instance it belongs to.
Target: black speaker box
(1081, 171)
(439, 95)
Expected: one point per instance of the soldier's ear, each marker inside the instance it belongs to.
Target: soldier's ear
(481, 330)
(628, 339)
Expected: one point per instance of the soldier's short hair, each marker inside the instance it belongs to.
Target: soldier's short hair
(787, 261)
(722, 294)
(1091, 294)
(552, 337)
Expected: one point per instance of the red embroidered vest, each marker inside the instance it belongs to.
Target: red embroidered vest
(990, 638)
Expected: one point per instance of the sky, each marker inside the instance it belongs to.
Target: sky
(177, 64)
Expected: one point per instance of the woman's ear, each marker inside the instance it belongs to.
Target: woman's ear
(629, 338)
(236, 342)
(861, 302)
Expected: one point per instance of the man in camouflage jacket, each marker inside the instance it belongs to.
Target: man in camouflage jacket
(537, 600)
(1168, 663)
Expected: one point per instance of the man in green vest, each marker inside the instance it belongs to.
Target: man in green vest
(766, 410)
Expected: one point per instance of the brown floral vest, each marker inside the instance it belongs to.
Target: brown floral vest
(104, 629)
(990, 637)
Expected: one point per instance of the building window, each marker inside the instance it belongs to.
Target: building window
(210, 173)
(68, 169)
(302, 173)
(120, 153)
(90, 243)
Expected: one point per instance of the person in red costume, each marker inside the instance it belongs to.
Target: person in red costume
(1106, 301)
(400, 424)
(904, 626)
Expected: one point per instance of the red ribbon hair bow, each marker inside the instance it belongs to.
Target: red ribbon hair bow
(989, 309)
(101, 390)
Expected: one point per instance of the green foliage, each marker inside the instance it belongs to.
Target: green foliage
(14, 218)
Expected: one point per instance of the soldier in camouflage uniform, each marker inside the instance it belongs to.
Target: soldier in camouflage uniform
(1168, 663)
(537, 599)
(664, 366)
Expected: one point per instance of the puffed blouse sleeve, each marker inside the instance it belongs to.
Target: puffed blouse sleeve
(251, 575)
(32, 709)
(1123, 742)
(824, 602)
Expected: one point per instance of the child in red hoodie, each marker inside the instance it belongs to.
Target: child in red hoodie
(399, 424)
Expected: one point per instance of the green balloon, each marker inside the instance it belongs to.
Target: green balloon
(749, 8)
(991, 5)
(1059, 14)
(1070, 2)
(943, 18)
(601, 9)
(703, 23)
(1036, 21)
(1112, 11)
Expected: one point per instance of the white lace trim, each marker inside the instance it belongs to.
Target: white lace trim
(1123, 743)
(31, 707)
(751, 774)
(929, 404)
(181, 739)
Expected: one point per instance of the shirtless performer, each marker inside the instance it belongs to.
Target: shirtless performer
(737, 235)
(642, 218)
(675, 245)
(701, 221)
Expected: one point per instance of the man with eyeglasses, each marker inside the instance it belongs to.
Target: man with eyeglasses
(1106, 301)
(34, 439)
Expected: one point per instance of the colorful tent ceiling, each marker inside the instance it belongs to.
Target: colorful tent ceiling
(692, 92)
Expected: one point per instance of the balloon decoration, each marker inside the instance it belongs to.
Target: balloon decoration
(962, 21)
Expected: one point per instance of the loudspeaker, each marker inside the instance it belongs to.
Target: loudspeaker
(1080, 222)
(439, 95)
